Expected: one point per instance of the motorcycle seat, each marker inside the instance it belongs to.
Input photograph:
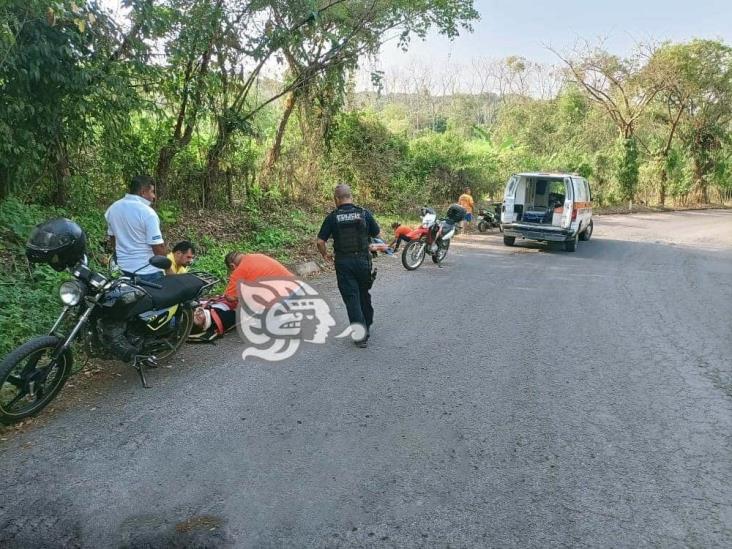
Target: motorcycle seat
(175, 289)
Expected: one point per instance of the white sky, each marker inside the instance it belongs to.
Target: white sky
(526, 27)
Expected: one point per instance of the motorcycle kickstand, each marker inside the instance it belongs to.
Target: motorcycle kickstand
(140, 362)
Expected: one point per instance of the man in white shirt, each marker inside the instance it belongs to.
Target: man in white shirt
(134, 230)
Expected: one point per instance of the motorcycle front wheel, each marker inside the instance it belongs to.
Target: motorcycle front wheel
(441, 253)
(483, 226)
(165, 347)
(413, 254)
(30, 378)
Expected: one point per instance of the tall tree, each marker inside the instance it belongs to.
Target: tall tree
(624, 88)
(671, 102)
(188, 29)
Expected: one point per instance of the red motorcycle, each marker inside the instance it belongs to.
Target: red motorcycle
(432, 236)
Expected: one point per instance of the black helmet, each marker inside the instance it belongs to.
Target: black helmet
(60, 243)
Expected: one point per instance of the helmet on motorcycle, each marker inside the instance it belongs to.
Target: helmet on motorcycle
(60, 243)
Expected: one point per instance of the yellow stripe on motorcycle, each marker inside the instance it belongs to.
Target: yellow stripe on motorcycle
(161, 320)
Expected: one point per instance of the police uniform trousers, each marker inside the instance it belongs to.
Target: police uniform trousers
(353, 272)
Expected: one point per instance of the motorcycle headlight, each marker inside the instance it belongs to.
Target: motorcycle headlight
(71, 293)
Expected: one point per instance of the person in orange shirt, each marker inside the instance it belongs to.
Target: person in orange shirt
(218, 315)
(466, 201)
(401, 233)
(250, 268)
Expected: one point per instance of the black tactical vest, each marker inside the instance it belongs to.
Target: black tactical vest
(350, 233)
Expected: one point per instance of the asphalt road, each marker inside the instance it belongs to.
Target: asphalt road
(517, 397)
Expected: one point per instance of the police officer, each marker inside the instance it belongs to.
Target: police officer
(351, 226)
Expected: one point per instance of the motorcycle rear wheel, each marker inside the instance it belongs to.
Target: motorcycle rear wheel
(413, 254)
(165, 348)
(19, 369)
(483, 226)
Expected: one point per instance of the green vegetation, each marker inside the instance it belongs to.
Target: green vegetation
(246, 114)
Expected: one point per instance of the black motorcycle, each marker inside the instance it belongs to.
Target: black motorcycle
(139, 322)
(488, 219)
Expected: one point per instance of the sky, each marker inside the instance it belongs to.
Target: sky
(525, 28)
(521, 27)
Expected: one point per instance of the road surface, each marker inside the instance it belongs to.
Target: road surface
(517, 397)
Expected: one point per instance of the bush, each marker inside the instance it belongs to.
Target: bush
(367, 155)
(26, 296)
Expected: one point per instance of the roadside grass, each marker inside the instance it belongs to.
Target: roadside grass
(29, 296)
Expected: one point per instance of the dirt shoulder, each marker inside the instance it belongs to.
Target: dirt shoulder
(642, 208)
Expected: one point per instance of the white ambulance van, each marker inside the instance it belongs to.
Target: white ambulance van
(548, 207)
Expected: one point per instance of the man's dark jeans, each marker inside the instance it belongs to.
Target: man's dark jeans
(354, 281)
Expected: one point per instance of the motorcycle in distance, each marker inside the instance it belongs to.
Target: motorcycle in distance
(490, 219)
(136, 321)
(432, 236)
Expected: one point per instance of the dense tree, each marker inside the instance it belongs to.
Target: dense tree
(319, 41)
(704, 90)
(624, 88)
(693, 108)
(61, 76)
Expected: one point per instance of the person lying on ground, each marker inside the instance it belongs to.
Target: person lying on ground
(378, 245)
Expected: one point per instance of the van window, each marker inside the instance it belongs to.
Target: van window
(511, 186)
(587, 190)
(556, 194)
(580, 194)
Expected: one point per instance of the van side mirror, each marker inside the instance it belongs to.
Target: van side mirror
(161, 262)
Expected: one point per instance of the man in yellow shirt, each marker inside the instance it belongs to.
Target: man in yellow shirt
(182, 257)
(466, 201)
